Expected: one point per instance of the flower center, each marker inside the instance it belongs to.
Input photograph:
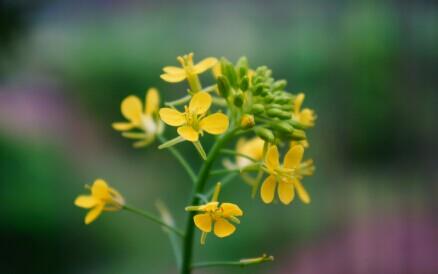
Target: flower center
(149, 124)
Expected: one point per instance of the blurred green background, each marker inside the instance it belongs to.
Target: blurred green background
(368, 68)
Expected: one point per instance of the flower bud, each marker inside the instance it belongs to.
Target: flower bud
(281, 100)
(265, 134)
(247, 121)
(274, 112)
(229, 72)
(283, 127)
(269, 98)
(298, 135)
(244, 83)
(279, 85)
(258, 89)
(257, 109)
(284, 115)
(223, 86)
(238, 99)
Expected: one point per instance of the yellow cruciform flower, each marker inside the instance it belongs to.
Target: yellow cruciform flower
(285, 178)
(188, 71)
(147, 120)
(217, 218)
(306, 116)
(102, 198)
(193, 121)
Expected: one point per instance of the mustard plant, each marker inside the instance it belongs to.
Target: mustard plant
(243, 105)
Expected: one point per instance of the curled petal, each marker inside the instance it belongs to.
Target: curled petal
(215, 124)
(188, 133)
(200, 103)
(230, 209)
(132, 109)
(298, 101)
(86, 201)
(272, 158)
(286, 192)
(293, 156)
(222, 228)
(203, 222)
(100, 189)
(152, 101)
(93, 214)
(172, 78)
(268, 189)
(205, 64)
(302, 193)
(174, 70)
(122, 126)
(172, 117)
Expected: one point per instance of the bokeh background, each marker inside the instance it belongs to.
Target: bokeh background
(369, 69)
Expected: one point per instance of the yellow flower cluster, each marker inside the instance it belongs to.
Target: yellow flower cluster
(243, 102)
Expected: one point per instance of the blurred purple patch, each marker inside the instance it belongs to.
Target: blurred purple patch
(385, 245)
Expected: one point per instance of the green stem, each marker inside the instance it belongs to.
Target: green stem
(153, 218)
(180, 159)
(240, 263)
(204, 173)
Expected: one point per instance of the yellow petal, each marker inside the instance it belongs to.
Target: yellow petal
(86, 201)
(203, 222)
(272, 158)
(172, 117)
(100, 189)
(217, 70)
(93, 214)
(222, 228)
(132, 109)
(172, 78)
(188, 133)
(298, 102)
(268, 189)
(293, 156)
(215, 124)
(200, 103)
(286, 192)
(152, 101)
(205, 64)
(307, 117)
(174, 70)
(230, 209)
(211, 206)
(302, 193)
(122, 126)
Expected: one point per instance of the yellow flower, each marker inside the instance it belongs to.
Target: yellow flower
(147, 120)
(188, 71)
(252, 148)
(193, 121)
(285, 178)
(306, 116)
(217, 218)
(102, 198)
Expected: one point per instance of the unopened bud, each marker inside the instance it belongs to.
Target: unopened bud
(223, 86)
(269, 98)
(244, 83)
(257, 109)
(258, 89)
(298, 135)
(247, 121)
(238, 99)
(265, 134)
(274, 112)
(279, 85)
(285, 115)
(283, 127)
(229, 72)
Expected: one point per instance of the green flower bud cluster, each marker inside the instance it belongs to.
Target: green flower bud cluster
(257, 93)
